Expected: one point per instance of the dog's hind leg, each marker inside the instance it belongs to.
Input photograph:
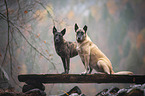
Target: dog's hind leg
(102, 67)
(90, 71)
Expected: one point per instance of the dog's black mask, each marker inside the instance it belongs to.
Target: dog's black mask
(58, 36)
(80, 33)
(80, 36)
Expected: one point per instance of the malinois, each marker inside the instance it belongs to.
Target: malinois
(91, 56)
(64, 49)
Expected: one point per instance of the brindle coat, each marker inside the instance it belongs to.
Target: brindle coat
(64, 49)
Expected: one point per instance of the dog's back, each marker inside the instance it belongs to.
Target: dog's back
(66, 48)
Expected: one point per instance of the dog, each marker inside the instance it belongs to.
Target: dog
(64, 49)
(91, 56)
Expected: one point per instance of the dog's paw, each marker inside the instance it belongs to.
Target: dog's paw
(64, 73)
(99, 73)
(84, 73)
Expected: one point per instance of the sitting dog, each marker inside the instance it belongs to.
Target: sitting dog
(64, 49)
(91, 56)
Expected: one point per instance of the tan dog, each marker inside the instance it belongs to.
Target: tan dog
(91, 56)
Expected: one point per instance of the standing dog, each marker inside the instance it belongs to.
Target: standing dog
(91, 56)
(64, 49)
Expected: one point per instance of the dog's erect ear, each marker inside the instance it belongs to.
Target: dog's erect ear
(63, 31)
(85, 28)
(54, 30)
(76, 27)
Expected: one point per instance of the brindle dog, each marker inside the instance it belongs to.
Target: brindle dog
(64, 49)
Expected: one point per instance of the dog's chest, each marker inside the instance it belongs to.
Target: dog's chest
(61, 50)
(83, 50)
(80, 51)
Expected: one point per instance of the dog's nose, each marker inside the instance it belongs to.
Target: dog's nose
(56, 40)
(78, 38)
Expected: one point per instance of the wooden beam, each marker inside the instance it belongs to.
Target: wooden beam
(77, 78)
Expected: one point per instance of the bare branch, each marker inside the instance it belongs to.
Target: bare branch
(29, 42)
(8, 45)
(34, 47)
(8, 32)
(47, 12)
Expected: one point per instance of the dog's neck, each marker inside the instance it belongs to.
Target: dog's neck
(87, 39)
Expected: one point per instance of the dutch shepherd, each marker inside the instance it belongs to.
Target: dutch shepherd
(64, 49)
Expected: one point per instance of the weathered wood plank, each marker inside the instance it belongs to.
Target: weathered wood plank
(77, 78)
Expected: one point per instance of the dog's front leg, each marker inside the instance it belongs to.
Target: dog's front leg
(64, 65)
(67, 60)
(90, 69)
(86, 61)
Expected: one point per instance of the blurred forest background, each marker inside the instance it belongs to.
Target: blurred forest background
(117, 27)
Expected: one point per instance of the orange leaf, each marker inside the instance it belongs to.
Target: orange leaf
(47, 51)
(40, 56)
(38, 35)
(50, 54)
(25, 11)
(45, 42)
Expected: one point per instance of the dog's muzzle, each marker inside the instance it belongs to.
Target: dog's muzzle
(57, 40)
(79, 39)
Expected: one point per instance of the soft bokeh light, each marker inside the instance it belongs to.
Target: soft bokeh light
(117, 27)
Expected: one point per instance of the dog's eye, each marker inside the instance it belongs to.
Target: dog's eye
(58, 35)
(82, 33)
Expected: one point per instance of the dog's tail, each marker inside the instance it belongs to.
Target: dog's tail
(124, 73)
